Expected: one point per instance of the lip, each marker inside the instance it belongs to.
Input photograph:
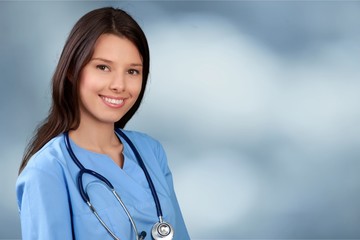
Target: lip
(113, 102)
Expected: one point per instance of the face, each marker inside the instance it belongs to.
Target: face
(111, 82)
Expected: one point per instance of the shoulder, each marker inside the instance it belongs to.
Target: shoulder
(45, 171)
(137, 135)
(49, 160)
(147, 145)
(140, 138)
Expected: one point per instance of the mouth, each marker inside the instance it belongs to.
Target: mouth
(113, 102)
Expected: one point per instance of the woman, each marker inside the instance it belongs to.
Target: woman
(80, 153)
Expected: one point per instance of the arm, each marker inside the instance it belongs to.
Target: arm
(43, 205)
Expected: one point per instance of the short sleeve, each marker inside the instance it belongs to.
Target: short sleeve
(43, 205)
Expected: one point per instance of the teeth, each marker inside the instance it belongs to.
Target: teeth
(113, 101)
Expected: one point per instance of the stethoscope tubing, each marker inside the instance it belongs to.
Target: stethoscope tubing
(147, 175)
(84, 170)
(86, 198)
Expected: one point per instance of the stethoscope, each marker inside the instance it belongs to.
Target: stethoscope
(161, 230)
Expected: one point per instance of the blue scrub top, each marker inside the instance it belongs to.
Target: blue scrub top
(51, 207)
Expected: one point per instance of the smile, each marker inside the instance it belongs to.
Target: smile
(113, 101)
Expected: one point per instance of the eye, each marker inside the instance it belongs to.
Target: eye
(103, 68)
(133, 72)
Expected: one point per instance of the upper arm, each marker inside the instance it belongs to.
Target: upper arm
(43, 205)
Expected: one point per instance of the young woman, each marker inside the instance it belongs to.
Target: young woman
(83, 176)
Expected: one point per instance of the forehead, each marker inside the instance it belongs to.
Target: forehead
(115, 48)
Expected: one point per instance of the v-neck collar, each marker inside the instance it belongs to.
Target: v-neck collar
(103, 164)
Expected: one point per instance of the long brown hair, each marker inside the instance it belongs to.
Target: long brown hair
(64, 113)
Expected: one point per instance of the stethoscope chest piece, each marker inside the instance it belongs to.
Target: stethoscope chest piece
(163, 231)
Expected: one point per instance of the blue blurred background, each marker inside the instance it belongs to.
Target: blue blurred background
(256, 104)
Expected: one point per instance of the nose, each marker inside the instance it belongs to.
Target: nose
(117, 83)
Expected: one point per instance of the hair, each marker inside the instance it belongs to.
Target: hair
(64, 113)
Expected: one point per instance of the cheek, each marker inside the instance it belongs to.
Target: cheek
(135, 88)
(88, 84)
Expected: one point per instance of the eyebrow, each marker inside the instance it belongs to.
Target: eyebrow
(109, 61)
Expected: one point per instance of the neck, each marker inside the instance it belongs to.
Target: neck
(95, 138)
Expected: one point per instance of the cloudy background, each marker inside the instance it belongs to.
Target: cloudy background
(256, 104)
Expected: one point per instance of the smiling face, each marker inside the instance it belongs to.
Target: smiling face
(110, 82)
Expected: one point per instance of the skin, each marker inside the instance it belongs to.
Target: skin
(109, 86)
